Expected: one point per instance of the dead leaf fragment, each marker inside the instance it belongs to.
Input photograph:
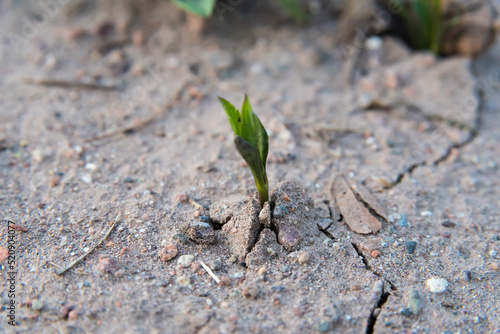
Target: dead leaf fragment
(356, 216)
(370, 199)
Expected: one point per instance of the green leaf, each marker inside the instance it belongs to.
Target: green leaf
(252, 157)
(248, 122)
(233, 115)
(200, 7)
(262, 139)
(293, 9)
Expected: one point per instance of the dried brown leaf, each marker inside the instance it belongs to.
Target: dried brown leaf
(356, 216)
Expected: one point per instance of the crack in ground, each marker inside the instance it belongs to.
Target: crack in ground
(369, 268)
(372, 319)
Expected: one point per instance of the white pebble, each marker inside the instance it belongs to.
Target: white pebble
(437, 285)
(426, 213)
(185, 260)
(91, 166)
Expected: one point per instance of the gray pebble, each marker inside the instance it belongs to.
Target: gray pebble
(215, 265)
(410, 246)
(181, 238)
(466, 275)
(324, 327)
(414, 302)
(448, 223)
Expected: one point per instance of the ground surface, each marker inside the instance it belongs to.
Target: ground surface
(414, 130)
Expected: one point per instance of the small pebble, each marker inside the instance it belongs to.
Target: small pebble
(304, 257)
(182, 198)
(185, 260)
(55, 181)
(437, 285)
(181, 238)
(410, 246)
(183, 281)
(169, 252)
(108, 265)
(128, 180)
(262, 270)
(375, 253)
(426, 213)
(466, 275)
(493, 253)
(73, 315)
(414, 302)
(448, 223)
(324, 327)
(403, 221)
(215, 265)
(36, 304)
(225, 281)
(406, 312)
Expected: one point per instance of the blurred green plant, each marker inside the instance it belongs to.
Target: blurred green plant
(206, 7)
(425, 23)
(199, 7)
(251, 142)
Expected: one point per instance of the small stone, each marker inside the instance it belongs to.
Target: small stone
(414, 302)
(493, 266)
(181, 238)
(73, 315)
(125, 250)
(185, 260)
(108, 265)
(128, 179)
(225, 281)
(262, 270)
(65, 311)
(304, 257)
(182, 198)
(55, 181)
(183, 281)
(410, 246)
(196, 266)
(493, 253)
(215, 265)
(120, 273)
(406, 312)
(169, 252)
(250, 291)
(37, 155)
(36, 304)
(324, 327)
(466, 275)
(278, 212)
(437, 285)
(403, 221)
(426, 213)
(375, 253)
(356, 287)
(448, 223)
(222, 60)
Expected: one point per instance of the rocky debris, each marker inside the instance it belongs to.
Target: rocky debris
(265, 215)
(221, 212)
(243, 228)
(200, 232)
(108, 265)
(304, 257)
(65, 311)
(264, 250)
(437, 285)
(355, 214)
(169, 252)
(295, 219)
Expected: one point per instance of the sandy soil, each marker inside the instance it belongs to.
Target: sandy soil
(420, 133)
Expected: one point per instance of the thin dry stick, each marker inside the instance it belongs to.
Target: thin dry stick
(210, 272)
(197, 205)
(81, 257)
(69, 84)
(145, 121)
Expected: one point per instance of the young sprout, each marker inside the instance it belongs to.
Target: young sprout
(251, 142)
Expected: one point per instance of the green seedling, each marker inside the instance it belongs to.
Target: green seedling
(199, 7)
(206, 7)
(251, 142)
(425, 23)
